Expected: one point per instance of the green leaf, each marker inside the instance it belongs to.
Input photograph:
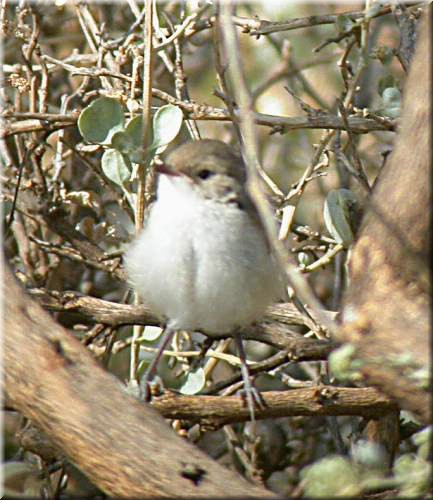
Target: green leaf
(121, 142)
(135, 131)
(423, 440)
(407, 466)
(344, 23)
(194, 382)
(373, 10)
(116, 166)
(330, 477)
(408, 416)
(336, 213)
(343, 363)
(151, 333)
(414, 474)
(391, 98)
(167, 122)
(100, 120)
(304, 259)
(424, 451)
(391, 95)
(131, 138)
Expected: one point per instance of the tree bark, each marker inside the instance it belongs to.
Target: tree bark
(124, 447)
(213, 412)
(273, 331)
(386, 310)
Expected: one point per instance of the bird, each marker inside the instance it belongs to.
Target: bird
(202, 261)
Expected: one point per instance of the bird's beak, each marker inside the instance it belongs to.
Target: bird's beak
(161, 168)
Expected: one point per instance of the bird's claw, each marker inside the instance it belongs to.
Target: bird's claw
(256, 397)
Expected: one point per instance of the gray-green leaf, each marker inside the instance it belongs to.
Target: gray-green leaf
(341, 476)
(391, 97)
(373, 10)
(336, 214)
(100, 120)
(134, 131)
(129, 140)
(343, 364)
(151, 333)
(343, 23)
(194, 382)
(116, 166)
(304, 259)
(167, 122)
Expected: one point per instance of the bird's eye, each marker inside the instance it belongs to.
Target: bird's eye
(204, 174)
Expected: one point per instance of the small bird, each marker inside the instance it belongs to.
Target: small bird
(202, 261)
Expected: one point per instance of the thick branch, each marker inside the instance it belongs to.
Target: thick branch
(277, 334)
(53, 380)
(215, 411)
(387, 308)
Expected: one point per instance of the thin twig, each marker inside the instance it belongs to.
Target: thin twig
(256, 27)
(141, 171)
(250, 153)
(324, 260)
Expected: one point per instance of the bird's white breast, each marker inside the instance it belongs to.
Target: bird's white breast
(201, 264)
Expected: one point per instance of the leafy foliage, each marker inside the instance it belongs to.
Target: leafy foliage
(102, 122)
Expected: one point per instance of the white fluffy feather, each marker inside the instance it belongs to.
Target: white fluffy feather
(201, 264)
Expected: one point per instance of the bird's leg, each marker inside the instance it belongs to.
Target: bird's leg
(166, 337)
(252, 394)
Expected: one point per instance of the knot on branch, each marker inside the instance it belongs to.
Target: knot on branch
(325, 394)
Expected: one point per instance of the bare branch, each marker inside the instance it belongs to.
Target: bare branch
(215, 411)
(276, 333)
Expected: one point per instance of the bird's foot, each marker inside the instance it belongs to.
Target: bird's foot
(150, 388)
(145, 390)
(252, 398)
(256, 396)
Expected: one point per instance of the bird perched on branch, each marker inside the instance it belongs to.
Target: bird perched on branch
(203, 261)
